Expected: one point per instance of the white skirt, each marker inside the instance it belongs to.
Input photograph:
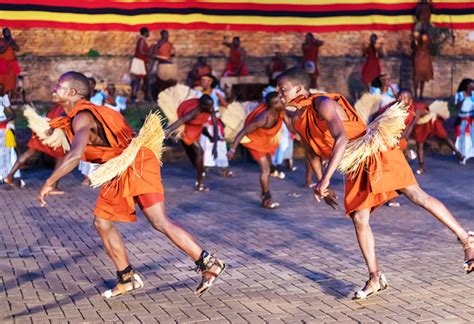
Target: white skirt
(138, 67)
(7, 157)
(207, 145)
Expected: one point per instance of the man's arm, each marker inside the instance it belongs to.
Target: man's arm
(327, 109)
(215, 129)
(222, 100)
(289, 125)
(14, 45)
(318, 42)
(142, 48)
(81, 128)
(11, 113)
(183, 120)
(256, 124)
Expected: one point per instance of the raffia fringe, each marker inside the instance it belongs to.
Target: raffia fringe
(437, 109)
(151, 136)
(367, 106)
(382, 134)
(40, 125)
(170, 99)
(233, 118)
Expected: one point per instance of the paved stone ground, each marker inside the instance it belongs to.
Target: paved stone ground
(297, 264)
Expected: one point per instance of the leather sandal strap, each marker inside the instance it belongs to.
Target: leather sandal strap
(121, 288)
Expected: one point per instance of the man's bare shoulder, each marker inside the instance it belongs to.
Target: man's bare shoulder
(84, 117)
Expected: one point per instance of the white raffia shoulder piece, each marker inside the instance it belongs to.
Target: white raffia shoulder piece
(151, 136)
(40, 125)
(382, 134)
(367, 106)
(438, 108)
(170, 99)
(233, 118)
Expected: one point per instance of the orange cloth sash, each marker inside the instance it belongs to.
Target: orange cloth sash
(193, 128)
(116, 200)
(263, 140)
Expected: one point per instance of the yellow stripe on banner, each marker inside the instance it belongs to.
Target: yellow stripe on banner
(452, 19)
(226, 20)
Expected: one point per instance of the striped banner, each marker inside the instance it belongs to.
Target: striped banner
(250, 15)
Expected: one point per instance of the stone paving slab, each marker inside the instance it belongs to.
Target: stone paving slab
(297, 264)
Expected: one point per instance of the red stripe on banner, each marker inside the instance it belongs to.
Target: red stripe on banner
(454, 5)
(207, 26)
(219, 5)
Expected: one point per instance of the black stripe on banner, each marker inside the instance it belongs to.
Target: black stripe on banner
(220, 12)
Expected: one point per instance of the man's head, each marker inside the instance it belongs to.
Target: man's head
(164, 35)
(202, 60)
(309, 38)
(273, 101)
(373, 38)
(465, 85)
(144, 32)
(424, 37)
(405, 96)
(92, 84)
(292, 83)
(71, 87)
(111, 89)
(236, 41)
(208, 81)
(6, 32)
(206, 104)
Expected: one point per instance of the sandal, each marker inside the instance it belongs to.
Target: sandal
(375, 286)
(201, 187)
(128, 282)
(267, 201)
(206, 265)
(393, 204)
(468, 244)
(228, 174)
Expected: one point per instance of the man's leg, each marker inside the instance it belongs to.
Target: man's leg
(210, 266)
(194, 152)
(422, 87)
(451, 145)
(308, 174)
(265, 163)
(18, 164)
(365, 237)
(436, 208)
(115, 249)
(421, 157)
